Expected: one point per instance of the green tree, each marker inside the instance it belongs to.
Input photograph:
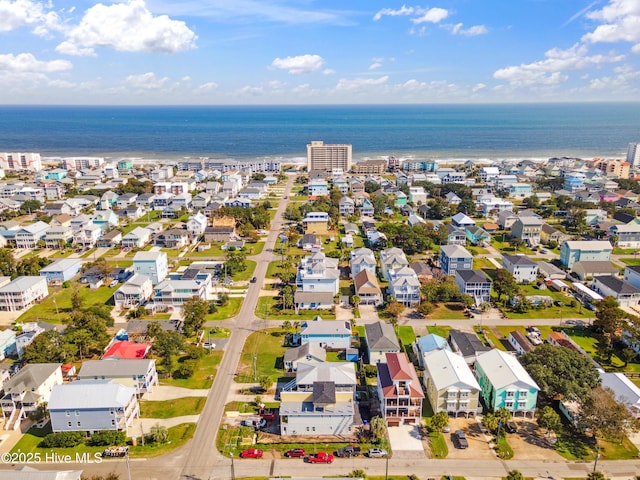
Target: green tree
(235, 262)
(468, 207)
(628, 354)
(609, 316)
(394, 309)
(378, 429)
(46, 348)
(76, 299)
(597, 476)
(561, 371)
(439, 421)
(194, 312)
(265, 382)
(425, 308)
(158, 434)
(549, 419)
(504, 283)
(30, 206)
(515, 475)
(606, 416)
(104, 438)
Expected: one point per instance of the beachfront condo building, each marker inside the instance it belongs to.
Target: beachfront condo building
(327, 157)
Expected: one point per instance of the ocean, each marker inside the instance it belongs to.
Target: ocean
(376, 131)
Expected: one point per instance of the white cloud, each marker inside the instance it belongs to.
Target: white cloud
(250, 90)
(276, 84)
(68, 48)
(360, 83)
(207, 87)
(328, 71)
(26, 62)
(432, 15)
(375, 65)
(404, 10)
(128, 27)
(19, 13)
(473, 31)
(625, 77)
(620, 23)
(300, 64)
(551, 71)
(146, 81)
(477, 87)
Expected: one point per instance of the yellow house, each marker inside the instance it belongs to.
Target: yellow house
(316, 222)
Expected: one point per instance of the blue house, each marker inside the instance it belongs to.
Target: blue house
(7, 343)
(573, 183)
(61, 270)
(56, 174)
(326, 333)
(504, 383)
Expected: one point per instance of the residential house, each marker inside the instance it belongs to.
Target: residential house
(222, 229)
(593, 216)
(404, 286)
(136, 238)
(126, 350)
(477, 235)
(316, 222)
(624, 390)
(551, 234)
(625, 236)
(61, 270)
(88, 236)
(573, 251)
(140, 373)
(307, 353)
(92, 406)
(520, 190)
(318, 273)
(126, 199)
(520, 343)
(310, 300)
(152, 264)
(105, 219)
(528, 229)
(590, 269)
(61, 221)
(362, 259)
(467, 345)
(494, 205)
(332, 334)
(381, 339)
(489, 174)
(320, 400)
(455, 257)
(318, 188)
(367, 288)
(135, 292)
(504, 383)
(521, 267)
(427, 344)
(366, 208)
(28, 236)
(475, 283)
(132, 212)
(399, 391)
(197, 224)
(108, 200)
(392, 259)
(450, 384)
(27, 389)
(110, 239)
(58, 238)
(347, 206)
(174, 293)
(310, 243)
(461, 220)
(453, 199)
(22, 292)
(175, 238)
(624, 292)
(506, 219)
(418, 195)
(455, 235)
(550, 271)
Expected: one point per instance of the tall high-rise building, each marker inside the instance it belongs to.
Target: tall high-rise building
(633, 154)
(328, 157)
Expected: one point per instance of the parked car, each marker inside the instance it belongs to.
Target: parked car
(446, 429)
(253, 279)
(255, 422)
(348, 452)
(113, 283)
(461, 439)
(269, 416)
(376, 453)
(251, 453)
(295, 453)
(115, 452)
(511, 427)
(320, 457)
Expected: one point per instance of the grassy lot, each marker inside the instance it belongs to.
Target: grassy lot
(507, 248)
(477, 250)
(247, 274)
(121, 263)
(47, 312)
(228, 311)
(172, 408)
(624, 251)
(442, 331)
(203, 376)
(178, 436)
(448, 311)
(589, 343)
(503, 449)
(268, 304)
(480, 263)
(274, 268)
(565, 311)
(438, 445)
(632, 262)
(406, 335)
(268, 347)
(574, 447)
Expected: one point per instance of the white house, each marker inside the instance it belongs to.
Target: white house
(136, 238)
(318, 273)
(152, 264)
(134, 292)
(21, 293)
(521, 267)
(197, 224)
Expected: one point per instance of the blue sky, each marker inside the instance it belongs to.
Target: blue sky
(318, 51)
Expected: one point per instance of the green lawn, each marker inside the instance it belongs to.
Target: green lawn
(274, 268)
(228, 311)
(406, 335)
(632, 262)
(448, 311)
(178, 436)
(503, 449)
(480, 263)
(625, 251)
(172, 408)
(438, 445)
(247, 274)
(565, 311)
(203, 376)
(268, 348)
(442, 331)
(47, 312)
(589, 343)
(268, 305)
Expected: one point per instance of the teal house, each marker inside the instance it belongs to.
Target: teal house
(401, 199)
(504, 383)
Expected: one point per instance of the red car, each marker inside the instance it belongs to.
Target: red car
(295, 452)
(251, 453)
(321, 457)
(268, 416)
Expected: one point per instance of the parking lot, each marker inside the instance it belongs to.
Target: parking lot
(478, 442)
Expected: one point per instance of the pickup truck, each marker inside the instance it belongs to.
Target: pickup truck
(461, 439)
(251, 453)
(348, 452)
(320, 457)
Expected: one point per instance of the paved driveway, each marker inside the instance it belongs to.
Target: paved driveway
(406, 441)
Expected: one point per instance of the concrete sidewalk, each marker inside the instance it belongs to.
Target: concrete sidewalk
(165, 392)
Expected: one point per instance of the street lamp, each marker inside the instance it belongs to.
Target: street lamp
(233, 471)
(595, 464)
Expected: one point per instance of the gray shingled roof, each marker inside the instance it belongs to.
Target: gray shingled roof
(380, 336)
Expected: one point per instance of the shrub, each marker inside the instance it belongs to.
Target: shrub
(186, 369)
(104, 438)
(66, 284)
(62, 440)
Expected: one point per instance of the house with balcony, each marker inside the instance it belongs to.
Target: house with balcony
(404, 286)
(27, 389)
(380, 339)
(627, 236)
(573, 251)
(455, 235)
(333, 334)
(306, 353)
(494, 205)
(504, 383)
(22, 292)
(528, 229)
(175, 292)
(173, 238)
(450, 384)
(392, 259)
(347, 206)
(318, 273)
(105, 219)
(197, 224)
(320, 400)
(399, 391)
(521, 267)
(87, 236)
(61, 270)
(551, 234)
(136, 238)
(134, 292)
(362, 259)
(152, 264)
(92, 405)
(58, 238)
(427, 344)
(475, 283)
(28, 236)
(365, 208)
(455, 257)
(316, 222)
(140, 373)
(625, 293)
(367, 288)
